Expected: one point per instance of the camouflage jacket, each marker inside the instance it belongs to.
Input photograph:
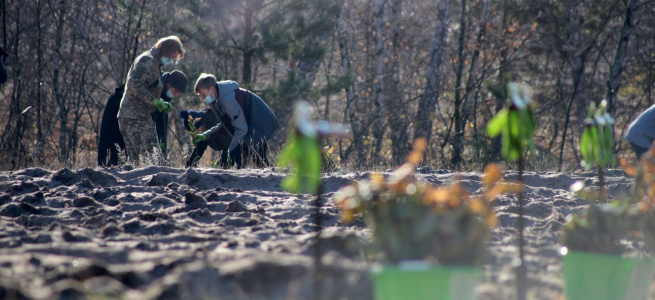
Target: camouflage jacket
(143, 87)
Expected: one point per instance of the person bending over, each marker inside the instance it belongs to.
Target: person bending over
(245, 118)
(641, 132)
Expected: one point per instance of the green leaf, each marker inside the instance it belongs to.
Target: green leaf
(497, 123)
(303, 154)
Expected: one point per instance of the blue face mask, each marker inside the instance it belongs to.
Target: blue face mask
(169, 94)
(166, 61)
(209, 99)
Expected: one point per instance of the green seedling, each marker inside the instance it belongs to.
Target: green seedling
(597, 141)
(516, 124)
(303, 151)
(192, 125)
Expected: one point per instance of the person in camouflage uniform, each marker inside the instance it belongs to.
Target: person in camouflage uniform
(141, 98)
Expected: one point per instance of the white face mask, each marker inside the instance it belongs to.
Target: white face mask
(209, 99)
(167, 61)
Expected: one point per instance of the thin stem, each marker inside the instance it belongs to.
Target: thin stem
(601, 183)
(317, 247)
(521, 272)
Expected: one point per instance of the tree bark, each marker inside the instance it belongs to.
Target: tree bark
(397, 114)
(459, 114)
(350, 115)
(613, 84)
(380, 20)
(577, 59)
(63, 110)
(247, 51)
(431, 93)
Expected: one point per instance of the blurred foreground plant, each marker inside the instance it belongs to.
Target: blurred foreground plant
(601, 227)
(643, 193)
(597, 143)
(516, 124)
(413, 220)
(302, 150)
(598, 230)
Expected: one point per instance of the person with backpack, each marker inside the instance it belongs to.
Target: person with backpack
(142, 97)
(640, 132)
(111, 140)
(243, 116)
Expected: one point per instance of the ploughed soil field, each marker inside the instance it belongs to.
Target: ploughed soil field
(169, 233)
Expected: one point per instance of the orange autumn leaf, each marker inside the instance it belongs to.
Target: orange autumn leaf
(629, 169)
(416, 156)
(492, 174)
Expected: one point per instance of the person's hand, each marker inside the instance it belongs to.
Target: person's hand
(160, 105)
(199, 138)
(169, 107)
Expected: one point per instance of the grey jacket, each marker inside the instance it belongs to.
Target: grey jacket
(245, 116)
(642, 130)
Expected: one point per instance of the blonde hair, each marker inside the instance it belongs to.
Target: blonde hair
(205, 81)
(170, 44)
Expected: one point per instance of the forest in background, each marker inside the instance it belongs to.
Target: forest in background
(392, 70)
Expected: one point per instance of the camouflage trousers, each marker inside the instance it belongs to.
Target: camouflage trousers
(141, 141)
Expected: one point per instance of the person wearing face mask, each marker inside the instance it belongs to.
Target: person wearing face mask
(111, 140)
(243, 116)
(174, 84)
(142, 97)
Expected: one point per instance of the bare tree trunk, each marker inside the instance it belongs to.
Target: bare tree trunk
(469, 104)
(459, 114)
(39, 65)
(247, 51)
(577, 58)
(379, 89)
(350, 115)
(11, 136)
(126, 62)
(501, 82)
(137, 32)
(397, 112)
(431, 93)
(63, 110)
(4, 23)
(613, 84)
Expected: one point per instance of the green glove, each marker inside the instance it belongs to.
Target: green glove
(199, 138)
(160, 105)
(169, 107)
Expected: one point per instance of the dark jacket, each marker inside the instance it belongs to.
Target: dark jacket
(3, 71)
(208, 119)
(161, 118)
(218, 141)
(110, 134)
